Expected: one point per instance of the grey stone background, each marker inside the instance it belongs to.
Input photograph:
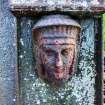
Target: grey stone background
(79, 91)
(33, 91)
(8, 55)
(84, 3)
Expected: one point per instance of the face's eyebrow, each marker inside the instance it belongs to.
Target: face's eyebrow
(56, 37)
(48, 49)
(52, 46)
(59, 41)
(59, 44)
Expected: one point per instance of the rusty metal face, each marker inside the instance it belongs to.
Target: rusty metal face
(55, 50)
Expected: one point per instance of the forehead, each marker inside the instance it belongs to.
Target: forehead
(58, 44)
(58, 41)
(50, 36)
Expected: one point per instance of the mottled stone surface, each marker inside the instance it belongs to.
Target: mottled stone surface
(33, 91)
(75, 7)
(8, 55)
(57, 2)
(79, 91)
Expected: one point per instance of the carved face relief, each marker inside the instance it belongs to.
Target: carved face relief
(56, 55)
(59, 54)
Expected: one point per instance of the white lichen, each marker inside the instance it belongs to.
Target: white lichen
(21, 41)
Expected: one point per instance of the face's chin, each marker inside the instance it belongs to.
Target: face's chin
(55, 76)
(54, 73)
(57, 80)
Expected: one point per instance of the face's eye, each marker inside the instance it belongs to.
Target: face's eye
(49, 52)
(66, 52)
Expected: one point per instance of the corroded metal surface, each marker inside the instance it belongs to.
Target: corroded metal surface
(79, 91)
(56, 48)
(8, 55)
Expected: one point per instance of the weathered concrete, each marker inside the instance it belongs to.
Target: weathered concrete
(8, 55)
(78, 7)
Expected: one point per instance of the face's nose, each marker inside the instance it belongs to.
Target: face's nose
(59, 62)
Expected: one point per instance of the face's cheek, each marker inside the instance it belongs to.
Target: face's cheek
(67, 60)
(48, 61)
(66, 64)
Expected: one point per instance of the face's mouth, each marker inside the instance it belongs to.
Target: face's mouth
(58, 75)
(58, 70)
